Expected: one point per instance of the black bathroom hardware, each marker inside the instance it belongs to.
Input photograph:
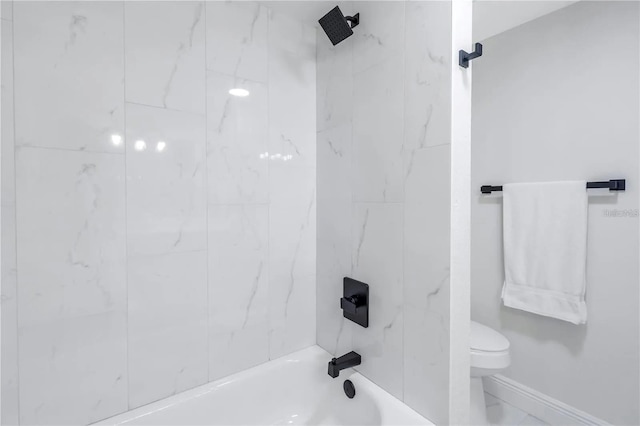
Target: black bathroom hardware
(465, 57)
(349, 389)
(355, 301)
(345, 361)
(350, 304)
(337, 26)
(612, 185)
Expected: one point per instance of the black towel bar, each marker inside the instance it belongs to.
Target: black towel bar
(612, 185)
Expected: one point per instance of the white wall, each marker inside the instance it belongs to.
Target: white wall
(460, 247)
(383, 195)
(144, 273)
(492, 17)
(557, 99)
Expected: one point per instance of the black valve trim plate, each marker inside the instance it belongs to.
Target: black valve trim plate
(355, 302)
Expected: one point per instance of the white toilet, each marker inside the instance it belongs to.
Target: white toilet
(489, 356)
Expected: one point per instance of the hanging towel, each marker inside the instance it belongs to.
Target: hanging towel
(545, 249)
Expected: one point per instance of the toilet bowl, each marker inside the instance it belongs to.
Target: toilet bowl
(489, 355)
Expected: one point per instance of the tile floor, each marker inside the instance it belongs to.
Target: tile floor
(499, 413)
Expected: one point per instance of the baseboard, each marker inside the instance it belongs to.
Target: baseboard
(536, 403)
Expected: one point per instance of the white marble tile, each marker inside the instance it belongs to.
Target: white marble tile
(426, 227)
(377, 261)
(333, 236)
(9, 386)
(291, 34)
(378, 133)
(292, 313)
(6, 80)
(73, 189)
(334, 175)
(10, 376)
(292, 186)
(292, 173)
(6, 10)
(292, 254)
(334, 88)
(167, 324)
(427, 74)
(380, 35)
(166, 194)
(237, 39)
(426, 361)
(334, 91)
(69, 56)
(238, 288)
(426, 283)
(292, 108)
(237, 138)
(334, 332)
(68, 201)
(165, 54)
(73, 370)
(71, 291)
(361, 85)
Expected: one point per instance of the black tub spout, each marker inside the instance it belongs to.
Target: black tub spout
(345, 361)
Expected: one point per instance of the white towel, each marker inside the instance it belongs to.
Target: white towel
(545, 249)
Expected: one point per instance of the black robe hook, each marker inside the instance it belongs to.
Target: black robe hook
(464, 57)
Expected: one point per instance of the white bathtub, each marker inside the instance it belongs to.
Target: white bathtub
(293, 390)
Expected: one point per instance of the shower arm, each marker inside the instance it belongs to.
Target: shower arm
(353, 20)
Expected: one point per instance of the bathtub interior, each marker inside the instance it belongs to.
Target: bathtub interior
(292, 390)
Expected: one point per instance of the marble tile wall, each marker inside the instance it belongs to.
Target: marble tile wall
(383, 120)
(9, 366)
(166, 229)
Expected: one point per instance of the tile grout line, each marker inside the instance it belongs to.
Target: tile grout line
(404, 190)
(206, 186)
(126, 195)
(352, 204)
(15, 204)
(184, 111)
(164, 253)
(235, 76)
(53, 148)
(268, 263)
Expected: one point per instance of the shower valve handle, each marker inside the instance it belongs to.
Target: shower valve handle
(349, 304)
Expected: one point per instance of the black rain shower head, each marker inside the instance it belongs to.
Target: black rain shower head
(337, 26)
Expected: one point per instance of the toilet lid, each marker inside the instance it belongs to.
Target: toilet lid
(486, 339)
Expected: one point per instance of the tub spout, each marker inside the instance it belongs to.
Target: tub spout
(345, 361)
